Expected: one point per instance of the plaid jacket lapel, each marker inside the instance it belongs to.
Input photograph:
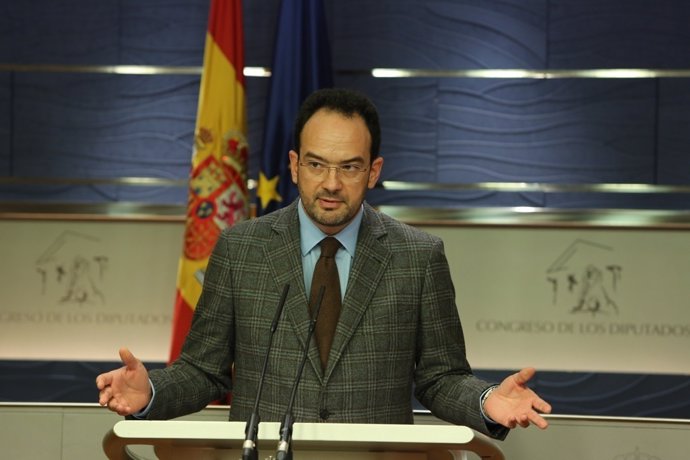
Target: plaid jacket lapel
(368, 267)
(288, 269)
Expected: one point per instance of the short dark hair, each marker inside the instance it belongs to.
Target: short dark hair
(347, 102)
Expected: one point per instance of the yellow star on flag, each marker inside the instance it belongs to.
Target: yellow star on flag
(267, 190)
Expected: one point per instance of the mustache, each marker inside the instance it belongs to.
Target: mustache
(329, 196)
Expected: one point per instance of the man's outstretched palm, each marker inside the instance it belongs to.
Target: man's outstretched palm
(513, 404)
(125, 390)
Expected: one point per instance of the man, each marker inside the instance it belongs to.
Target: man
(398, 328)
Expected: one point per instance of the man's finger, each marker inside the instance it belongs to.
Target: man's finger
(542, 407)
(538, 420)
(103, 380)
(128, 359)
(104, 396)
(524, 420)
(124, 411)
(524, 376)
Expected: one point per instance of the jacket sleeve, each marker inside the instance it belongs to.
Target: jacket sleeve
(202, 373)
(444, 382)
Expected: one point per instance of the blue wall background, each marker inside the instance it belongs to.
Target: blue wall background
(75, 125)
(454, 130)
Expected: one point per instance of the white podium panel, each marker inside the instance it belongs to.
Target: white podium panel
(223, 440)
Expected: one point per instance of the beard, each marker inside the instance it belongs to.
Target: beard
(335, 218)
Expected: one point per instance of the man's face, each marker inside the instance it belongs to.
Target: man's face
(332, 199)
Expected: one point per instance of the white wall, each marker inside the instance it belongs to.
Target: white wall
(79, 290)
(564, 299)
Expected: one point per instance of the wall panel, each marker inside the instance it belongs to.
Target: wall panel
(439, 34)
(618, 34)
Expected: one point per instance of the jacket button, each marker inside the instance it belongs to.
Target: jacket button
(324, 414)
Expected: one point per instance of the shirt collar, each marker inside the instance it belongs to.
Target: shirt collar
(311, 235)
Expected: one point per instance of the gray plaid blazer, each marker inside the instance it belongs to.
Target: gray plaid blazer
(399, 331)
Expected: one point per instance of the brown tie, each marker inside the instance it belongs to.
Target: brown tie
(326, 275)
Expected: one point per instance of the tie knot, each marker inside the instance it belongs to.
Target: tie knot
(329, 246)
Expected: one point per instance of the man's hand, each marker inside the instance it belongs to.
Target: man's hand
(125, 390)
(512, 403)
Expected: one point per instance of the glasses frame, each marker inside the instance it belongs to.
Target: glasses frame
(321, 170)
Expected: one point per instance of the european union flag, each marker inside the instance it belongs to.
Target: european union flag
(301, 65)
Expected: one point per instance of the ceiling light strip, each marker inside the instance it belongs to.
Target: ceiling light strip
(538, 187)
(386, 185)
(533, 74)
(124, 69)
(542, 74)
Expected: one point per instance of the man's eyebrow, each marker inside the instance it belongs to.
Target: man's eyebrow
(314, 156)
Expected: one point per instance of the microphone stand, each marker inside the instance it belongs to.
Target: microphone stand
(284, 451)
(251, 430)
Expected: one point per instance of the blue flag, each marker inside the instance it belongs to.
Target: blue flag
(301, 65)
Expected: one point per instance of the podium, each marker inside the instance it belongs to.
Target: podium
(223, 440)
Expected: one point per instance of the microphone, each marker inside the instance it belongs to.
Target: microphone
(284, 451)
(251, 431)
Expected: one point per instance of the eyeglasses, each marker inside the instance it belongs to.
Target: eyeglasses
(348, 171)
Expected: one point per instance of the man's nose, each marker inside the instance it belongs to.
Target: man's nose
(332, 180)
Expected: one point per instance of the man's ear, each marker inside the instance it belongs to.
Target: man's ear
(375, 172)
(294, 165)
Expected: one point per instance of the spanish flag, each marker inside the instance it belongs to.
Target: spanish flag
(217, 186)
